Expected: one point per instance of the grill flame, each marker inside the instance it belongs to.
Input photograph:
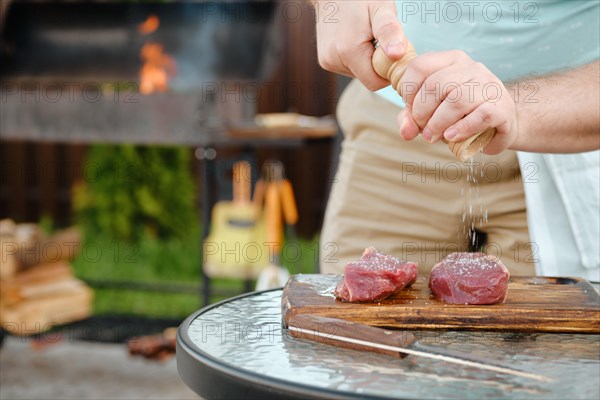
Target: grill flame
(149, 25)
(158, 65)
(157, 68)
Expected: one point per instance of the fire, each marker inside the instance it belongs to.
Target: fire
(149, 25)
(157, 68)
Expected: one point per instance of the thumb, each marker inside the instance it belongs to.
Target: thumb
(387, 29)
(408, 127)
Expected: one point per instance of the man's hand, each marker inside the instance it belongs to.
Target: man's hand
(450, 96)
(344, 41)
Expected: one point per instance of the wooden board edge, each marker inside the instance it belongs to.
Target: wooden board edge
(534, 324)
(286, 306)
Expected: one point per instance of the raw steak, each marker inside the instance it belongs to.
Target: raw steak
(374, 277)
(469, 278)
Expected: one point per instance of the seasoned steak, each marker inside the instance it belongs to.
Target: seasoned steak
(469, 278)
(374, 277)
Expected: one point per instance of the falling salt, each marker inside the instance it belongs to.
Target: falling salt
(473, 215)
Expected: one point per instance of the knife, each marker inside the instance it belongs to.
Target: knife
(352, 335)
(393, 71)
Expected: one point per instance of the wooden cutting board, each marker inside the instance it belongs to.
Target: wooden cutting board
(533, 304)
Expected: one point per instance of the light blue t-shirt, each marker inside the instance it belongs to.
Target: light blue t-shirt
(516, 39)
(512, 38)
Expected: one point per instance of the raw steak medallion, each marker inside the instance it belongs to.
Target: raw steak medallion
(374, 277)
(469, 278)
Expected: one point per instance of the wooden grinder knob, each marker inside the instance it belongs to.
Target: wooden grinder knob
(393, 71)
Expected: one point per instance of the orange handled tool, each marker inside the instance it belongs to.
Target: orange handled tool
(288, 203)
(241, 182)
(259, 197)
(393, 71)
(273, 216)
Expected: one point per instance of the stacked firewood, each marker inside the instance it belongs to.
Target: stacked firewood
(37, 287)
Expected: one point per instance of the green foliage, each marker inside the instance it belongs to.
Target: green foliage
(154, 261)
(131, 191)
(46, 224)
(148, 304)
(138, 213)
(137, 210)
(150, 260)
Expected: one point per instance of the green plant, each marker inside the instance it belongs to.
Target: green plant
(136, 207)
(46, 224)
(130, 191)
(174, 261)
(138, 213)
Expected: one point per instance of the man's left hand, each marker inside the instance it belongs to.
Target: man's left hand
(451, 96)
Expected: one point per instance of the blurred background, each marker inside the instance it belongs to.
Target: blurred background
(155, 157)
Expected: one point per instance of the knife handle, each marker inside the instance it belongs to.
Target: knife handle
(393, 71)
(319, 329)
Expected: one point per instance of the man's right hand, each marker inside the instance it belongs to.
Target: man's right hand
(345, 30)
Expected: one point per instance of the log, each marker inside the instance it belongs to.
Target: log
(12, 293)
(41, 273)
(41, 313)
(63, 245)
(9, 263)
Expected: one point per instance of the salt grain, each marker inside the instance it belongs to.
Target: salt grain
(474, 203)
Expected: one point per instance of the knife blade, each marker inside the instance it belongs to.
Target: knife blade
(352, 335)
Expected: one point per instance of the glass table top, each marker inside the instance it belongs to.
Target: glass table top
(246, 334)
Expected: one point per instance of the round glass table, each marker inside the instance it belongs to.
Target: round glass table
(238, 349)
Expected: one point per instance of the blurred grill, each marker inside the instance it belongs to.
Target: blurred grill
(69, 71)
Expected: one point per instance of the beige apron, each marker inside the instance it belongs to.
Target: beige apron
(408, 198)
